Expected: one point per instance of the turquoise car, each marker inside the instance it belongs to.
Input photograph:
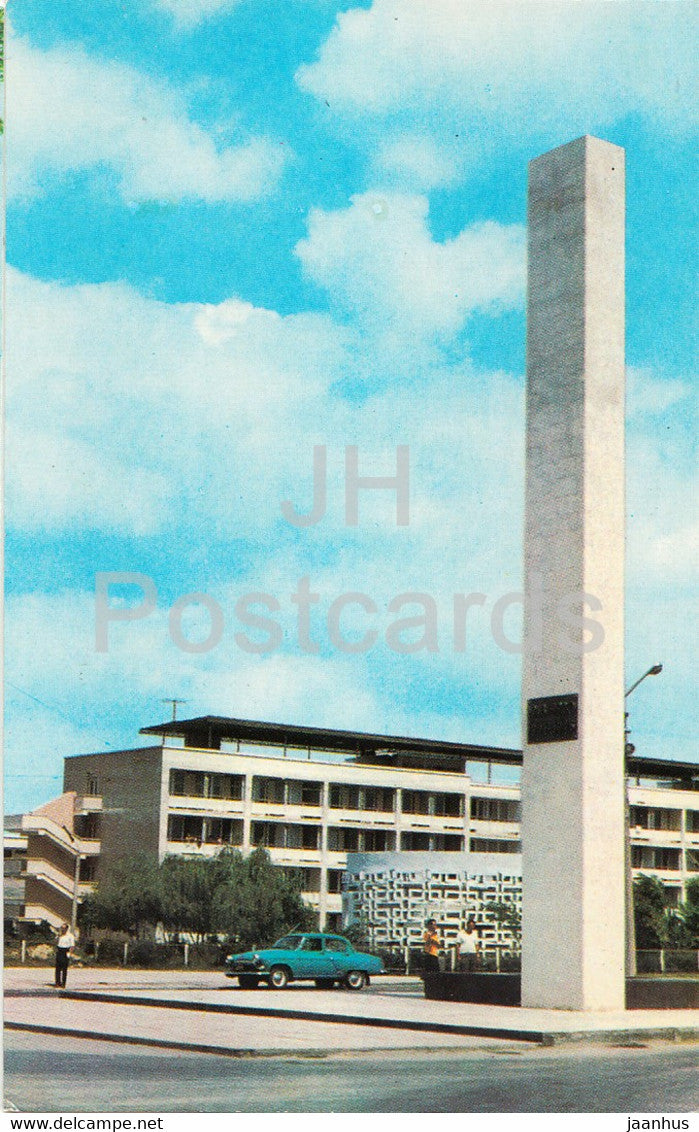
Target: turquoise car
(324, 959)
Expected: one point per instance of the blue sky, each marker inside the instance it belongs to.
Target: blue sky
(238, 229)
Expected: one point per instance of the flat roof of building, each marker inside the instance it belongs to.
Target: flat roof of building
(208, 731)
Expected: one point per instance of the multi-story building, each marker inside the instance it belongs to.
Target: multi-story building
(62, 847)
(311, 796)
(14, 867)
(308, 795)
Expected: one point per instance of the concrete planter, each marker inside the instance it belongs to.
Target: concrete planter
(662, 994)
(505, 990)
(457, 986)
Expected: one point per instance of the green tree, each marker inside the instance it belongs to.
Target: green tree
(690, 911)
(507, 916)
(650, 913)
(128, 897)
(188, 885)
(358, 933)
(255, 901)
(683, 922)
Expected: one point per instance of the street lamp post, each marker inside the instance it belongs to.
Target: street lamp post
(655, 670)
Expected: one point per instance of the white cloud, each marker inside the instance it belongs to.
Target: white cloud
(188, 14)
(106, 418)
(416, 162)
(377, 258)
(649, 395)
(69, 111)
(63, 482)
(507, 70)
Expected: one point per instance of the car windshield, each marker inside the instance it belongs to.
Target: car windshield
(288, 942)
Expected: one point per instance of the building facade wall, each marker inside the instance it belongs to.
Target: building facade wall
(129, 784)
(312, 814)
(309, 814)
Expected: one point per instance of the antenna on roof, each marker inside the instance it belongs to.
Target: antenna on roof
(174, 706)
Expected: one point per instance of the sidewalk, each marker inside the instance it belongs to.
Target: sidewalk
(206, 1010)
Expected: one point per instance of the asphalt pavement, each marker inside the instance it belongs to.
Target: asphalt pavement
(122, 1040)
(52, 1074)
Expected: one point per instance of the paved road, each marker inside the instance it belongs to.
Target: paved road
(44, 1073)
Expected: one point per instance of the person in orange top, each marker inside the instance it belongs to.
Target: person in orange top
(431, 946)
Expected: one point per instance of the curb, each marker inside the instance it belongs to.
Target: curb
(164, 1043)
(539, 1036)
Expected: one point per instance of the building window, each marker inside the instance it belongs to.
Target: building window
(197, 784)
(494, 809)
(277, 835)
(300, 793)
(440, 805)
(88, 868)
(343, 840)
(692, 821)
(223, 831)
(376, 840)
(87, 826)
(185, 827)
(449, 805)
(412, 841)
(448, 843)
(644, 817)
(269, 790)
(693, 860)
(229, 787)
(177, 783)
(493, 845)
(344, 797)
(267, 834)
(380, 799)
(334, 878)
(415, 802)
(377, 798)
(654, 857)
(308, 879)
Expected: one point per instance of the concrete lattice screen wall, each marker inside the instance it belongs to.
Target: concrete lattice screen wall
(394, 897)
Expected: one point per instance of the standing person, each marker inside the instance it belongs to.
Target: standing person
(64, 944)
(468, 947)
(431, 946)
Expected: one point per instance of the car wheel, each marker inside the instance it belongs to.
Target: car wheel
(278, 978)
(355, 980)
(248, 982)
(325, 984)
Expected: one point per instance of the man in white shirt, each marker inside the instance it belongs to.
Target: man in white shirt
(64, 945)
(468, 946)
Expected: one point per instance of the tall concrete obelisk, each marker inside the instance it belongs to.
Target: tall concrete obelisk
(573, 693)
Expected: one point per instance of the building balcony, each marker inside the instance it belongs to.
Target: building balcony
(288, 812)
(437, 823)
(48, 873)
(198, 848)
(506, 830)
(660, 837)
(47, 827)
(350, 813)
(216, 807)
(55, 915)
(362, 818)
(295, 857)
(88, 804)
